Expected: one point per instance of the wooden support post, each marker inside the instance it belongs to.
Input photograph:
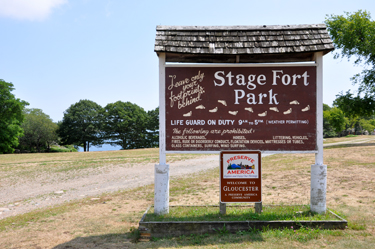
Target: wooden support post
(258, 207)
(223, 208)
(161, 188)
(319, 170)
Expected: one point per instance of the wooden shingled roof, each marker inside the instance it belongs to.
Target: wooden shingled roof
(243, 44)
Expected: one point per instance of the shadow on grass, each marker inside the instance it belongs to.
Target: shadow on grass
(348, 145)
(125, 240)
(100, 241)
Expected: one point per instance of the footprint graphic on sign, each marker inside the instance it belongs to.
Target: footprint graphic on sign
(213, 110)
(294, 102)
(288, 111)
(223, 102)
(200, 107)
(263, 114)
(249, 109)
(306, 108)
(188, 114)
(233, 112)
(274, 109)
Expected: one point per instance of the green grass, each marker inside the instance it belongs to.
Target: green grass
(252, 238)
(23, 220)
(352, 136)
(239, 213)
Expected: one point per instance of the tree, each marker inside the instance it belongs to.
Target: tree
(39, 130)
(367, 125)
(81, 125)
(326, 107)
(354, 35)
(11, 117)
(152, 135)
(125, 124)
(335, 120)
(355, 107)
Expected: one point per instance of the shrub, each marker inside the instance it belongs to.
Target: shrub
(67, 148)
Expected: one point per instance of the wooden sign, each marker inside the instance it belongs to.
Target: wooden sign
(240, 176)
(270, 108)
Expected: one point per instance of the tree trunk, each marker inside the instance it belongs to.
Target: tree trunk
(88, 146)
(84, 146)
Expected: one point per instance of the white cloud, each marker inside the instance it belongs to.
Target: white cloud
(29, 9)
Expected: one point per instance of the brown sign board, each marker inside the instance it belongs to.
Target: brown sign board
(240, 176)
(216, 108)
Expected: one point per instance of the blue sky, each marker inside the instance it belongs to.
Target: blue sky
(57, 52)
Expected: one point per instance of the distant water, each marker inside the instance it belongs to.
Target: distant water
(105, 147)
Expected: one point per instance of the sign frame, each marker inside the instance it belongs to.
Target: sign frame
(318, 170)
(162, 96)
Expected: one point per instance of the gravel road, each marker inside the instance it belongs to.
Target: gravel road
(51, 189)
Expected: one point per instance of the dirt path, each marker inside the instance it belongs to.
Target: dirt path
(51, 189)
(360, 141)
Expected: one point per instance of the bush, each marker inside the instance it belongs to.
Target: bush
(67, 148)
(329, 133)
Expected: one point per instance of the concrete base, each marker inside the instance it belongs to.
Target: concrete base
(161, 191)
(318, 188)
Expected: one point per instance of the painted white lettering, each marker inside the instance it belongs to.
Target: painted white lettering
(250, 84)
(240, 80)
(285, 79)
(261, 79)
(251, 99)
(275, 76)
(272, 97)
(305, 76)
(172, 78)
(239, 94)
(230, 76)
(295, 76)
(218, 77)
(261, 95)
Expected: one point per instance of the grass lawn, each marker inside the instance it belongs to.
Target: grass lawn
(239, 213)
(111, 219)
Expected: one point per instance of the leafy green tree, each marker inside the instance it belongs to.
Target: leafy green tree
(326, 107)
(372, 121)
(81, 125)
(152, 135)
(334, 121)
(354, 35)
(368, 125)
(354, 105)
(355, 108)
(11, 117)
(125, 124)
(39, 130)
